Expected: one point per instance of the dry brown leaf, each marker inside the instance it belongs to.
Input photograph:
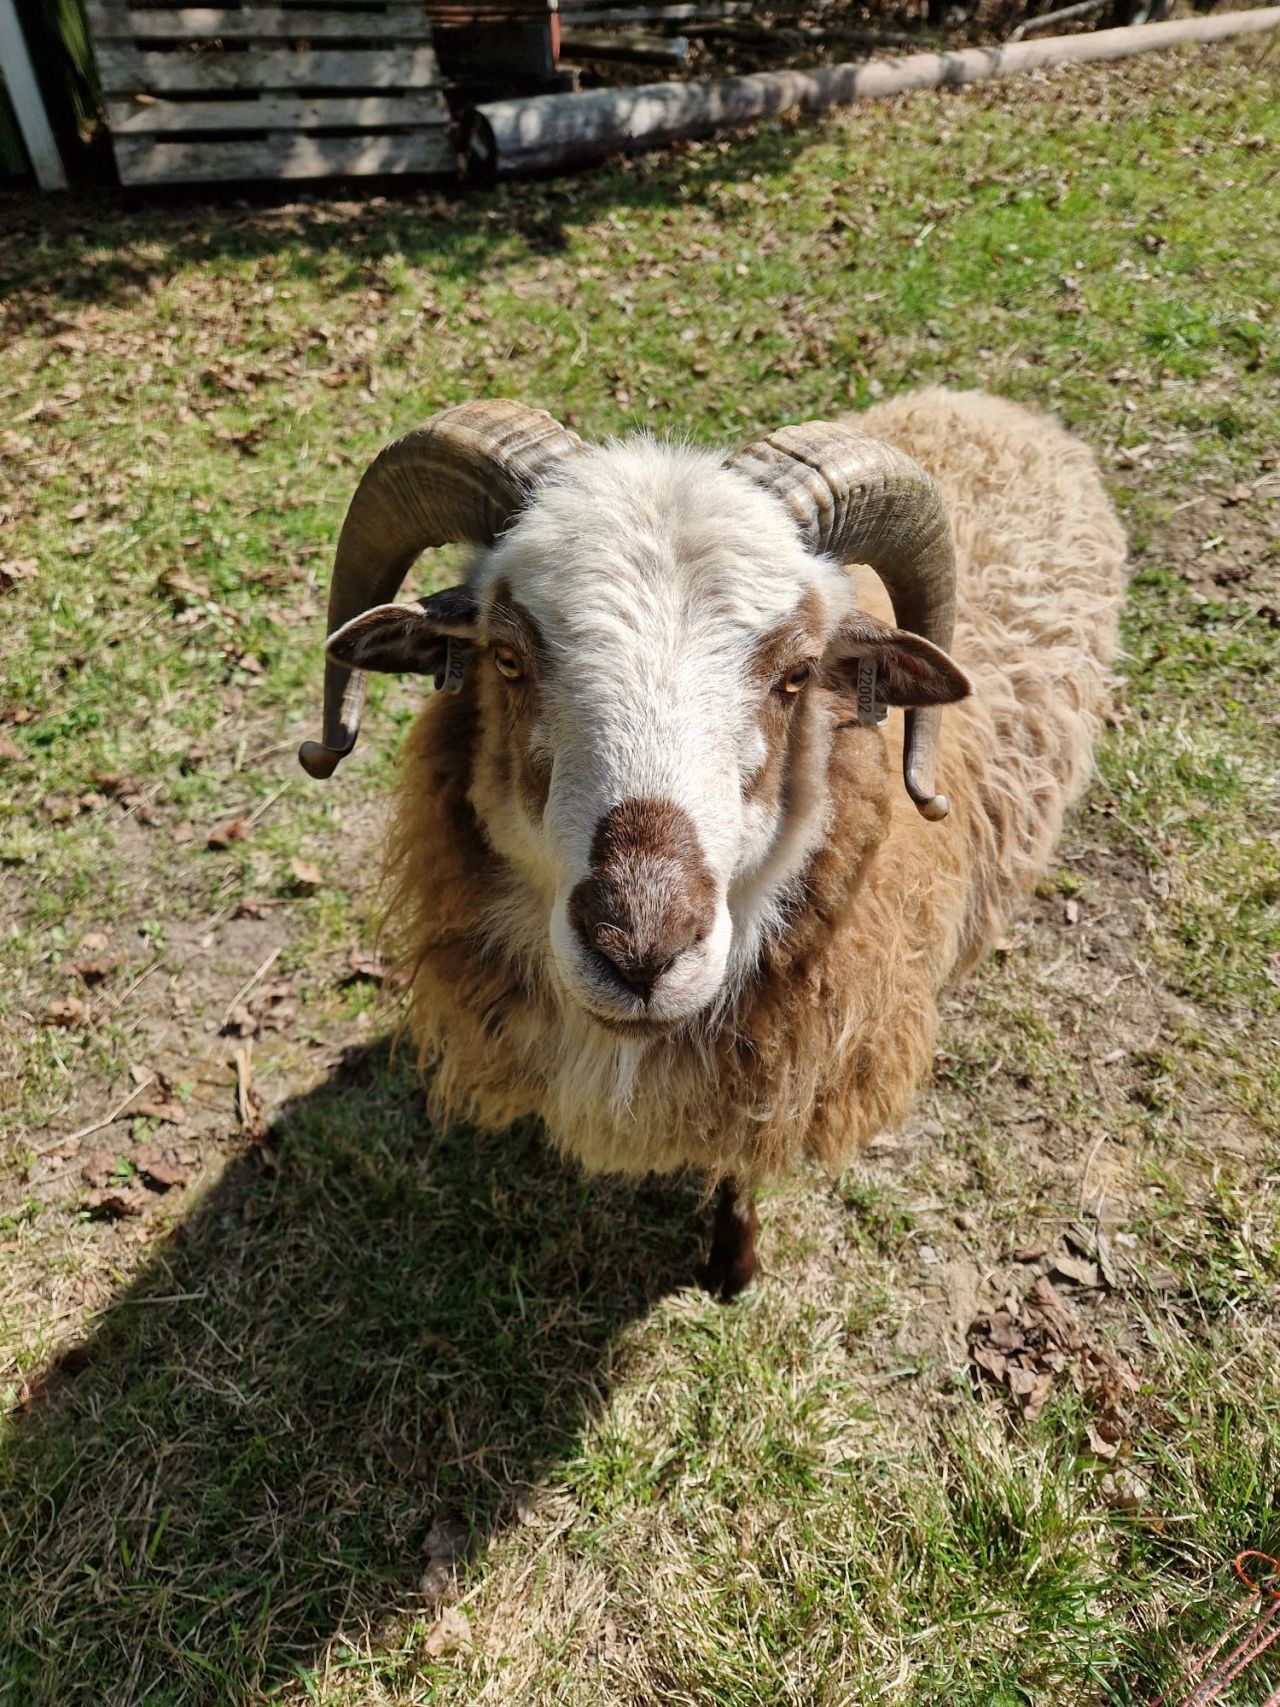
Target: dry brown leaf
(172, 1113)
(1076, 1269)
(115, 1202)
(994, 1362)
(161, 1167)
(93, 971)
(15, 569)
(1132, 456)
(1039, 1393)
(1024, 1353)
(1093, 1243)
(69, 1012)
(1100, 1443)
(306, 875)
(99, 1168)
(368, 965)
(239, 1023)
(375, 968)
(179, 588)
(275, 1007)
(226, 834)
(450, 1631)
(7, 748)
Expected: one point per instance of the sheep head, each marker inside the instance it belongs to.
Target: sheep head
(658, 645)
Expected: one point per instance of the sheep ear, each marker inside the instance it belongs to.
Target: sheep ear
(905, 669)
(408, 640)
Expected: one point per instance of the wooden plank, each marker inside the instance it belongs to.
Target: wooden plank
(458, 14)
(28, 107)
(277, 112)
(148, 161)
(256, 23)
(125, 71)
(120, 66)
(630, 49)
(591, 15)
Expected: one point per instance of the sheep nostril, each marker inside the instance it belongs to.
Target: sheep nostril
(636, 974)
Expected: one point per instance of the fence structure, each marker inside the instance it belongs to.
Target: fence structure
(270, 91)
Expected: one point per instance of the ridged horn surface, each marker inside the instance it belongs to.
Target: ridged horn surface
(860, 500)
(461, 479)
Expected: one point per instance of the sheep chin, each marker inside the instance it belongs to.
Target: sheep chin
(639, 1028)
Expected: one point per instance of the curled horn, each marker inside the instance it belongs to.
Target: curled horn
(860, 500)
(460, 479)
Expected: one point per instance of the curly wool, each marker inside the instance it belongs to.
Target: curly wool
(828, 1041)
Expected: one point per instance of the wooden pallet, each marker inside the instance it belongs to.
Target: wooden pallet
(270, 91)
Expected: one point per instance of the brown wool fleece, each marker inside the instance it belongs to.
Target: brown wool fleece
(827, 1043)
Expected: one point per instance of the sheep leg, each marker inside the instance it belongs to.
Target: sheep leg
(731, 1261)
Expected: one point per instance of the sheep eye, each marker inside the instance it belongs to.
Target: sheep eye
(508, 662)
(795, 679)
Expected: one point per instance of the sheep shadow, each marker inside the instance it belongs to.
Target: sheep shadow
(369, 1333)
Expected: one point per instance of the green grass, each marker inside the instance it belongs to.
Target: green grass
(241, 1419)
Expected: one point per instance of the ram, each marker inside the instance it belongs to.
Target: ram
(651, 872)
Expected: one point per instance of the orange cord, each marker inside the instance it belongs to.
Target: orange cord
(1256, 1588)
(1209, 1680)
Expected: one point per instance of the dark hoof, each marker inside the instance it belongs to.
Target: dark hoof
(725, 1280)
(731, 1263)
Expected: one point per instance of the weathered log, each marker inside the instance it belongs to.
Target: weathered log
(550, 132)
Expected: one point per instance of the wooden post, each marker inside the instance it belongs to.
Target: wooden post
(28, 107)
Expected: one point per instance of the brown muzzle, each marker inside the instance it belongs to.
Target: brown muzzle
(650, 896)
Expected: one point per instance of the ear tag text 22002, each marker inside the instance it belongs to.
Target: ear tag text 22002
(871, 711)
(450, 678)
